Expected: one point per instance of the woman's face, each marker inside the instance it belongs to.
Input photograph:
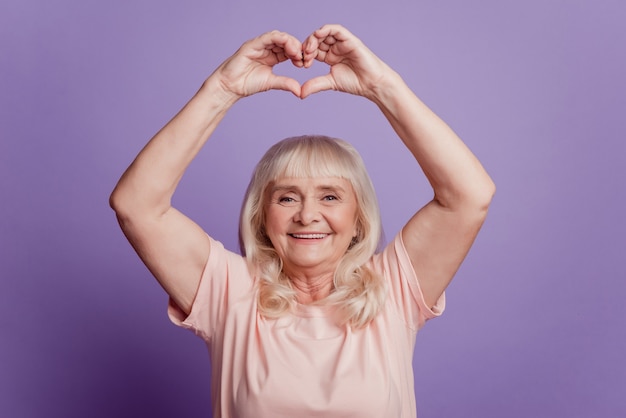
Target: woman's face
(311, 222)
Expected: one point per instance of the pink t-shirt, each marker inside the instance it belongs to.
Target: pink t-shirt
(304, 364)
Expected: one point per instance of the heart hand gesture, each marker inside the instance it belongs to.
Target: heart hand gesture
(354, 68)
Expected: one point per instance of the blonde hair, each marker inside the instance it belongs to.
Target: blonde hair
(359, 293)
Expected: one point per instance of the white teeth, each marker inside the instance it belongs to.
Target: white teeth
(308, 236)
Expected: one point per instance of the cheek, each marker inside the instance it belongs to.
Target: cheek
(347, 222)
(270, 215)
(275, 221)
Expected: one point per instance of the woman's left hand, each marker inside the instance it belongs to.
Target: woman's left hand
(354, 68)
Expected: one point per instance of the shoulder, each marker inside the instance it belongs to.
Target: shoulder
(225, 261)
(394, 264)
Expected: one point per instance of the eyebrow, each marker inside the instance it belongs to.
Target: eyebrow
(325, 187)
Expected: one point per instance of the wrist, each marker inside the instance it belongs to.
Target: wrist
(214, 90)
(387, 88)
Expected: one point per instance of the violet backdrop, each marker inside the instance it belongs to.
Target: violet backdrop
(535, 320)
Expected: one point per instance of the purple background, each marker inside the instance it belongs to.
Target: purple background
(535, 320)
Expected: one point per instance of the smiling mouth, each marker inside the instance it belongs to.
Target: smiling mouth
(309, 236)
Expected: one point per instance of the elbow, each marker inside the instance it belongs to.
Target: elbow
(482, 197)
(113, 200)
(485, 193)
(122, 203)
(126, 211)
(117, 201)
(479, 191)
(475, 205)
(129, 203)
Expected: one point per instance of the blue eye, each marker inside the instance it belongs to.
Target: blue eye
(330, 197)
(286, 200)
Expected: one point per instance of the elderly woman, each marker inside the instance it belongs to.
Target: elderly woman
(311, 321)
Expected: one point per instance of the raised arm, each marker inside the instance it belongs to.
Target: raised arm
(172, 246)
(440, 234)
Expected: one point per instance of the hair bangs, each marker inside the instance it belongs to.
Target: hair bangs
(313, 157)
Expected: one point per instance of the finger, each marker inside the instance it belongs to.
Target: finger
(315, 48)
(338, 32)
(337, 39)
(299, 60)
(317, 84)
(333, 43)
(279, 82)
(282, 43)
(310, 50)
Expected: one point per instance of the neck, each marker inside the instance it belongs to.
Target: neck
(311, 289)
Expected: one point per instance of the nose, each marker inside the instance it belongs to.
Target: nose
(307, 213)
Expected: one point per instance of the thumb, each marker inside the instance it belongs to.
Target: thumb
(317, 84)
(280, 82)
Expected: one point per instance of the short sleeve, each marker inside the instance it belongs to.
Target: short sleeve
(404, 289)
(224, 279)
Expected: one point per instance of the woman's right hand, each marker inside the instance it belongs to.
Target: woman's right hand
(173, 247)
(249, 70)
